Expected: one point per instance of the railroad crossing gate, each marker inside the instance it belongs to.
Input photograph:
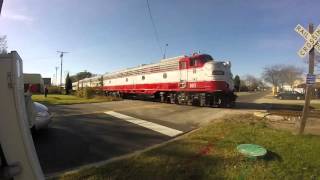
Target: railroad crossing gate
(311, 40)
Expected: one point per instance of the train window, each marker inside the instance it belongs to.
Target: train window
(217, 72)
(143, 77)
(109, 82)
(207, 58)
(164, 75)
(192, 62)
(126, 79)
(183, 65)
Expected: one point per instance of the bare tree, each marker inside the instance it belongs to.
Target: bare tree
(3, 45)
(271, 74)
(251, 82)
(280, 75)
(290, 74)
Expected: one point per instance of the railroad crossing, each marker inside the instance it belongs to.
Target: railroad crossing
(312, 36)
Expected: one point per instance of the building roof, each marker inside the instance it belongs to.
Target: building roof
(32, 78)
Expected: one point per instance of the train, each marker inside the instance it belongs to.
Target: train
(197, 79)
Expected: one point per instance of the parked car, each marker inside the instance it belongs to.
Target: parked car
(38, 114)
(43, 116)
(290, 95)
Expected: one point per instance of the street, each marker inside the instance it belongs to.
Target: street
(86, 133)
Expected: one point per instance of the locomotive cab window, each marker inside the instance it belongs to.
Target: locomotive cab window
(195, 62)
(143, 77)
(126, 79)
(206, 58)
(183, 65)
(192, 62)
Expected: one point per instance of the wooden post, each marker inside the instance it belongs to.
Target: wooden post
(309, 89)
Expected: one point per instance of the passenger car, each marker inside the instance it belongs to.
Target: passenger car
(38, 114)
(290, 95)
(43, 116)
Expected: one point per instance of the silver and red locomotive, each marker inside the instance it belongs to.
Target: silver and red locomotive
(195, 80)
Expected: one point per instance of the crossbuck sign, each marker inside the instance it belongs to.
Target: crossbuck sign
(311, 40)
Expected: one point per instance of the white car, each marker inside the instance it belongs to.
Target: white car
(43, 116)
(38, 114)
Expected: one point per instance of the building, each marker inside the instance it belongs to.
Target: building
(302, 85)
(47, 81)
(33, 82)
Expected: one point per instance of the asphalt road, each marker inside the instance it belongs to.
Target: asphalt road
(83, 133)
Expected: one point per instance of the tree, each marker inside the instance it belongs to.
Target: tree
(3, 45)
(243, 86)
(251, 82)
(81, 75)
(101, 82)
(271, 74)
(290, 74)
(261, 85)
(68, 84)
(280, 75)
(237, 83)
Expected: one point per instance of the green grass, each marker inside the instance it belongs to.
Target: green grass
(316, 106)
(244, 93)
(210, 153)
(57, 99)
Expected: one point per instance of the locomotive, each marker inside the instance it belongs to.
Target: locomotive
(193, 80)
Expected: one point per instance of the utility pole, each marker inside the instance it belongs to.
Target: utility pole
(309, 88)
(165, 50)
(56, 75)
(61, 60)
(1, 2)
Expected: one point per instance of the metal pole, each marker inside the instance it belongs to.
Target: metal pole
(1, 2)
(61, 56)
(56, 75)
(309, 89)
(165, 50)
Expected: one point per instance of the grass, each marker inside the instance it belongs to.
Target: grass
(316, 106)
(58, 99)
(210, 153)
(246, 93)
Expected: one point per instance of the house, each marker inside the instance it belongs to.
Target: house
(47, 81)
(33, 82)
(302, 85)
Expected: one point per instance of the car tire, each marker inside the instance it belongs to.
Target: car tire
(298, 97)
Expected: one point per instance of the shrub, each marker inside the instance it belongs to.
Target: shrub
(54, 90)
(86, 92)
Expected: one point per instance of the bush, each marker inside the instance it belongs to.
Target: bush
(54, 90)
(86, 92)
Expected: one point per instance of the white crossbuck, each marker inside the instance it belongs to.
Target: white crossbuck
(311, 40)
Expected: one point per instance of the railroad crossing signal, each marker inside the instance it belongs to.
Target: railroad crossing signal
(311, 40)
(310, 46)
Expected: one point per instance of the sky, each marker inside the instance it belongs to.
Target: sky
(109, 35)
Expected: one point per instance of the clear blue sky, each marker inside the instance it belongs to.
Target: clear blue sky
(107, 35)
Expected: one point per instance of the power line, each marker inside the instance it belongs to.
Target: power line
(154, 27)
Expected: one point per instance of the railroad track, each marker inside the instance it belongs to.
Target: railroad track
(313, 113)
